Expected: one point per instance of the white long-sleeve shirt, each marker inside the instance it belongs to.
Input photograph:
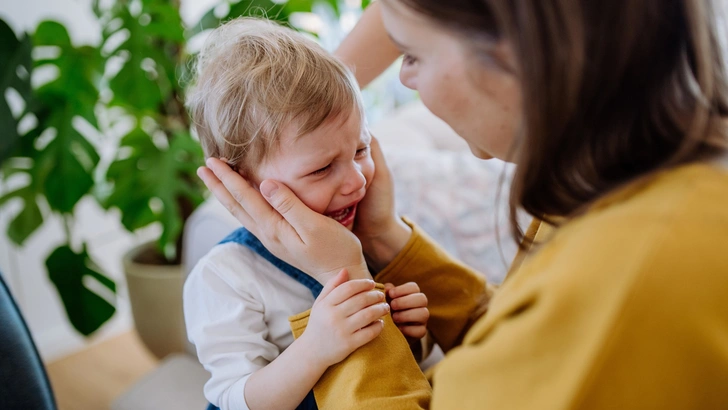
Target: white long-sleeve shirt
(236, 307)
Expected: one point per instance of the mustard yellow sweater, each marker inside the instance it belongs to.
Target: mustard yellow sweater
(625, 307)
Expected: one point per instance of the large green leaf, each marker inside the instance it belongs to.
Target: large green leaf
(64, 167)
(86, 310)
(61, 166)
(15, 69)
(147, 175)
(306, 6)
(151, 51)
(28, 219)
(254, 8)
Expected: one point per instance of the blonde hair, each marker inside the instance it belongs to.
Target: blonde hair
(254, 78)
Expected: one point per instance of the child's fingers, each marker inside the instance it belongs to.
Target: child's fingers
(403, 290)
(414, 316)
(415, 300)
(414, 331)
(349, 289)
(340, 278)
(359, 302)
(367, 333)
(366, 316)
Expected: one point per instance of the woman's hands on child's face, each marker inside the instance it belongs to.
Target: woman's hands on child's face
(345, 316)
(409, 309)
(314, 243)
(375, 213)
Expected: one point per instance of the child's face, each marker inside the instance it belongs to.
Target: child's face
(329, 169)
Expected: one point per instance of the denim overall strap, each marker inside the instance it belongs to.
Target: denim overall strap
(243, 237)
(309, 403)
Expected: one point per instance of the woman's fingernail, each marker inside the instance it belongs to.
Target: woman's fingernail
(268, 188)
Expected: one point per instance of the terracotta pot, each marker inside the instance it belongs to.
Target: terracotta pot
(155, 293)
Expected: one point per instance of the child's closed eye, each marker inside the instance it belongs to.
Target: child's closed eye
(362, 152)
(321, 171)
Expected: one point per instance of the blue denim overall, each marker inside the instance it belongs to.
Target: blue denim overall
(243, 237)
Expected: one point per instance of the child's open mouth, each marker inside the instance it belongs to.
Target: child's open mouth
(344, 216)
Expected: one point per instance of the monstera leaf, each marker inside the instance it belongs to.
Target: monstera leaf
(150, 182)
(151, 42)
(56, 159)
(15, 70)
(62, 160)
(70, 272)
(258, 8)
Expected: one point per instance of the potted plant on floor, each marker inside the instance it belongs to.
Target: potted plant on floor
(129, 89)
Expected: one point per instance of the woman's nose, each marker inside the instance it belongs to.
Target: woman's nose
(407, 78)
(353, 180)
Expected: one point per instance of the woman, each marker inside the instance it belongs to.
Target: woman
(615, 113)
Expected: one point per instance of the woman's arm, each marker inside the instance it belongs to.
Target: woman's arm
(457, 295)
(367, 50)
(382, 374)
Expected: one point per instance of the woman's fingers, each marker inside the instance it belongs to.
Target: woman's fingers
(403, 290)
(286, 204)
(413, 316)
(415, 331)
(378, 158)
(415, 300)
(247, 197)
(214, 184)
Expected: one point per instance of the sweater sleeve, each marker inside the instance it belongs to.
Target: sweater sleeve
(382, 374)
(457, 295)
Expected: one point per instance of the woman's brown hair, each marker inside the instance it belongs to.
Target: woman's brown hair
(612, 90)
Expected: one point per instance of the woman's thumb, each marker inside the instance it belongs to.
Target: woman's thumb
(284, 201)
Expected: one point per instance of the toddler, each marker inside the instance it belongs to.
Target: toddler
(277, 106)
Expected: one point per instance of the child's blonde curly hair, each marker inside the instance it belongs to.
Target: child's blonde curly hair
(254, 78)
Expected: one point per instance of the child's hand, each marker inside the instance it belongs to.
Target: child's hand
(409, 309)
(346, 315)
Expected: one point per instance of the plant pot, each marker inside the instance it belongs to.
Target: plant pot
(155, 293)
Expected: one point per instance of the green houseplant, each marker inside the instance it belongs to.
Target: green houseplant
(131, 88)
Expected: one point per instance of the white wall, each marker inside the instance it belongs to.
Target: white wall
(23, 268)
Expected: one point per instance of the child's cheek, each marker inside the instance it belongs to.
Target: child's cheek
(309, 196)
(369, 170)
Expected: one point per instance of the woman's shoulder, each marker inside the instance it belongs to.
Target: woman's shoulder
(697, 187)
(663, 232)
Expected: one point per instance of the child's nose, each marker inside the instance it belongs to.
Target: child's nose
(353, 180)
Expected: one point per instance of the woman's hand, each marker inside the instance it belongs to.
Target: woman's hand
(346, 315)
(313, 243)
(381, 232)
(409, 309)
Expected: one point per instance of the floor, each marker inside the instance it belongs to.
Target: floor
(93, 378)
